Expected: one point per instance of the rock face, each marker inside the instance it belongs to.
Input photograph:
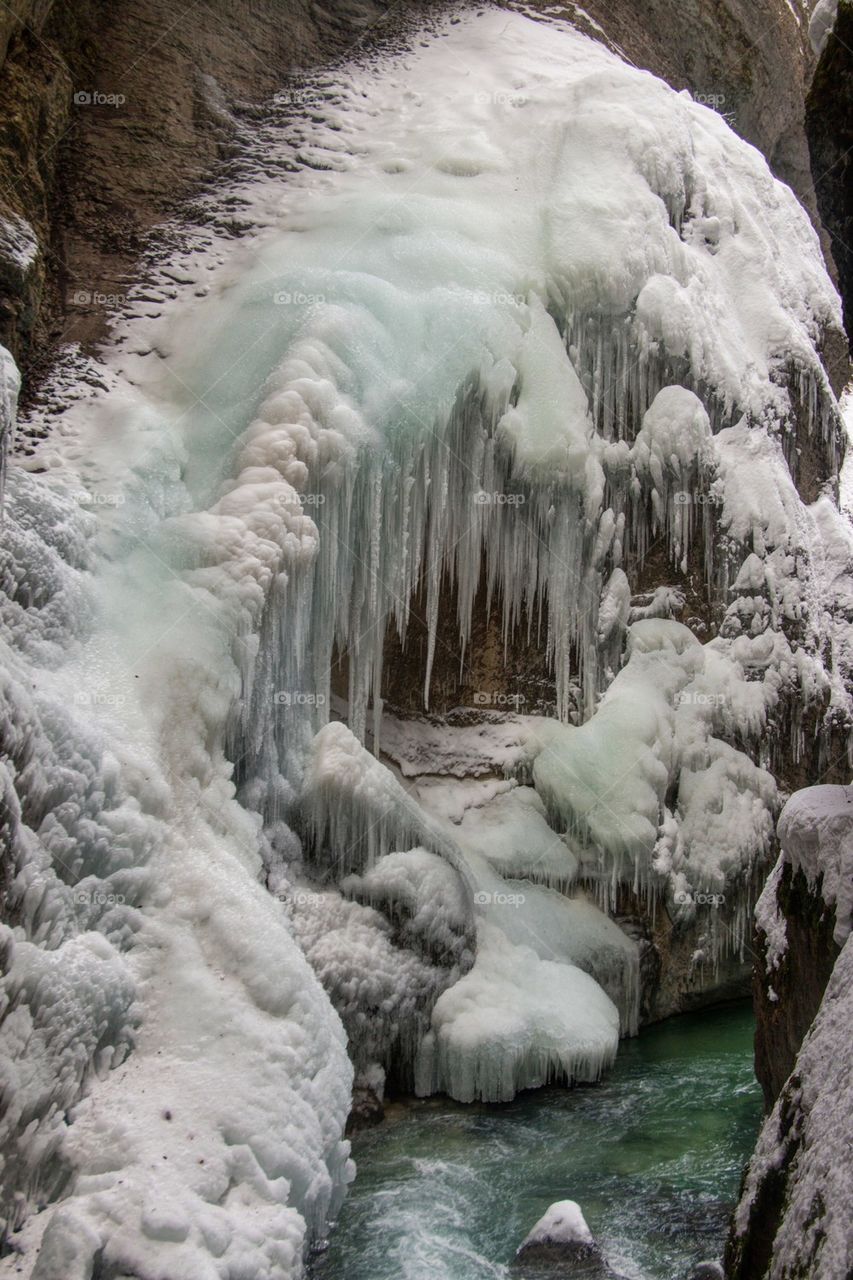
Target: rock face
(115, 113)
(794, 1216)
(803, 920)
(829, 128)
(112, 115)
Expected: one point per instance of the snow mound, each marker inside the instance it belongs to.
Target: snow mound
(816, 834)
(515, 1022)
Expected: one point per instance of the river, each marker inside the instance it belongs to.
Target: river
(653, 1155)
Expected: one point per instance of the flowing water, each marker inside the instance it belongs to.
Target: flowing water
(653, 1155)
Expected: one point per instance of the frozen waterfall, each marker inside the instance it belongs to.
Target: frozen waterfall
(512, 317)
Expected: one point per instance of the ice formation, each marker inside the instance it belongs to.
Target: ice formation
(10, 384)
(515, 1021)
(821, 24)
(170, 1066)
(445, 362)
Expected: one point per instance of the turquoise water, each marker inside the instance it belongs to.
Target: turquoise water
(653, 1155)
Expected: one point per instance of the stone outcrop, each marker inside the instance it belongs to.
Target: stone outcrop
(561, 1244)
(793, 1221)
(794, 1214)
(787, 1001)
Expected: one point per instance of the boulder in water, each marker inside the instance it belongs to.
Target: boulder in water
(562, 1237)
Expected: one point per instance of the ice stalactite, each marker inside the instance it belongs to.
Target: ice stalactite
(10, 384)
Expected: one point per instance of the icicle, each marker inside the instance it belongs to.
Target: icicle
(10, 385)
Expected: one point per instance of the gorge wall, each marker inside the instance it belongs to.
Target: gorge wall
(116, 113)
(794, 1216)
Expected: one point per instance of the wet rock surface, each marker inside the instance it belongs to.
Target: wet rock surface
(786, 1004)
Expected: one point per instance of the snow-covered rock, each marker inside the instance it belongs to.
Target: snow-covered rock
(803, 918)
(794, 1216)
(816, 833)
(560, 1235)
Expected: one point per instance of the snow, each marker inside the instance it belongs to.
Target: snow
(148, 971)
(607, 782)
(18, 244)
(10, 385)
(816, 834)
(383, 987)
(561, 1223)
(515, 1021)
(465, 745)
(846, 477)
(506, 825)
(815, 831)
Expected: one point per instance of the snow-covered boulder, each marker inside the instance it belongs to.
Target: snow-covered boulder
(561, 1235)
